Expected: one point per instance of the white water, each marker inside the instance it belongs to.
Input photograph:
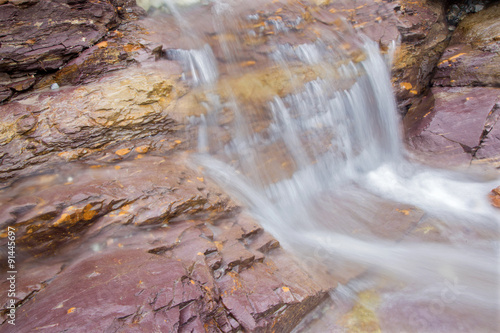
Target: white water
(339, 140)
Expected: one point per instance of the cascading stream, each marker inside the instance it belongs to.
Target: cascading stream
(322, 157)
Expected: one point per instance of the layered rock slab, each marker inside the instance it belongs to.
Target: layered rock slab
(448, 124)
(146, 244)
(455, 123)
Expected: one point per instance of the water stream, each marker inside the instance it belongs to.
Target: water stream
(320, 163)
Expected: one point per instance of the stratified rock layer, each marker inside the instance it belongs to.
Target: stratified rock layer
(40, 37)
(43, 35)
(456, 121)
(149, 245)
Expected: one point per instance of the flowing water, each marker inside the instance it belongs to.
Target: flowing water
(317, 157)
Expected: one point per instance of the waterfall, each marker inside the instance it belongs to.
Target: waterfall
(324, 156)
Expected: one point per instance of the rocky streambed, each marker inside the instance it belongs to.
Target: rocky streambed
(116, 231)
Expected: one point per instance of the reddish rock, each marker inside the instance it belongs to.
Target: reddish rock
(75, 122)
(22, 84)
(5, 93)
(489, 147)
(106, 271)
(54, 215)
(128, 9)
(43, 35)
(424, 37)
(473, 55)
(447, 126)
(455, 123)
(419, 27)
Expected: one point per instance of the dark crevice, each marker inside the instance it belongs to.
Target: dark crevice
(491, 121)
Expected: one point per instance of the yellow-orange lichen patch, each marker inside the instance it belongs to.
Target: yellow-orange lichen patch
(88, 213)
(142, 149)
(406, 85)
(118, 34)
(131, 47)
(122, 152)
(403, 211)
(218, 245)
(247, 63)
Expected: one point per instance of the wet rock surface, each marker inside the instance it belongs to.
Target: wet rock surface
(40, 37)
(454, 124)
(71, 123)
(449, 124)
(472, 56)
(424, 35)
(116, 234)
(146, 244)
(43, 35)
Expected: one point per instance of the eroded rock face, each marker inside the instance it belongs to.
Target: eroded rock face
(40, 37)
(87, 118)
(473, 55)
(448, 124)
(424, 37)
(146, 244)
(43, 35)
(456, 122)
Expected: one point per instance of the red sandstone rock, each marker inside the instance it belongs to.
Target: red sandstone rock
(473, 55)
(448, 124)
(43, 35)
(132, 246)
(456, 121)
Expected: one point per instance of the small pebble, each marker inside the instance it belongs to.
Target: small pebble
(54, 86)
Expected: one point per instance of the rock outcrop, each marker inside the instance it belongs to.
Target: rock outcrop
(73, 122)
(115, 233)
(146, 243)
(40, 37)
(455, 122)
